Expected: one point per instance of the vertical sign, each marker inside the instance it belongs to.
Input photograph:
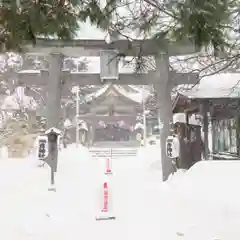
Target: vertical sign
(109, 64)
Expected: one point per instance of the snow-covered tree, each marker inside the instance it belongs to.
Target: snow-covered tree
(20, 102)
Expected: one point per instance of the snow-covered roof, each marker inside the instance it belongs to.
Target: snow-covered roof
(222, 80)
(223, 85)
(33, 71)
(98, 93)
(18, 100)
(208, 94)
(12, 103)
(138, 126)
(137, 97)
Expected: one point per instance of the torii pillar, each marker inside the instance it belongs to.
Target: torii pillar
(54, 88)
(163, 88)
(161, 78)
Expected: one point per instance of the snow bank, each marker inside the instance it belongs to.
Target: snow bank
(199, 204)
(207, 177)
(176, 177)
(149, 160)
(150, 157)
(4, 152)
(174, 180)
(205, 200)
(81, 151)
(218, 177)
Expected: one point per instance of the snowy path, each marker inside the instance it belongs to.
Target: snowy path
(144, 208)
(29, 211)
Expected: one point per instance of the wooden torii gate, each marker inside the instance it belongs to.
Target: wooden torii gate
(163, 80)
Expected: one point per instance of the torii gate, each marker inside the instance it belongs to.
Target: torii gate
(162, 79)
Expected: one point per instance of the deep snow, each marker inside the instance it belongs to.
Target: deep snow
(201, 204)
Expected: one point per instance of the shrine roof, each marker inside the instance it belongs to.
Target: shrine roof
(210, 94)
(223, 85)
(97, 93)
(34, 71)
(12, 103)
(140, 94)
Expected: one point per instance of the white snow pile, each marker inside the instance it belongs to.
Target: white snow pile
(219, 177)
(176, 177)
(202, 203)
(150, 157)
(149, 161)
(206, 200)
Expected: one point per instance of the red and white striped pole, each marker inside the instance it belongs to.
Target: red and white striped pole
(105, 213)
(108, 166)
(105, 197)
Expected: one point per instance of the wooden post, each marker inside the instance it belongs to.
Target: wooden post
(210, 131)
(204, 111)
(238, 134)
(52, 177)
(213, 122)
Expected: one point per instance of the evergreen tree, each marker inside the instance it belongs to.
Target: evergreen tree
(203, 21)
(22, 21)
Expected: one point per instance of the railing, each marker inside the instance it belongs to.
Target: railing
(113, 153)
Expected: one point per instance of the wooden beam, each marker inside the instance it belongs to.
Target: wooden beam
(124, 79)
(33, 77)
(238, 135)
(38, 77)
(204, 111)
(77, 48)
(131, 78)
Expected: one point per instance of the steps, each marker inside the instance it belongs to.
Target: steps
(114, 153)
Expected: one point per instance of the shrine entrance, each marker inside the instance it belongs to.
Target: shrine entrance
(112, 132)
(55, 79)
(116, 129)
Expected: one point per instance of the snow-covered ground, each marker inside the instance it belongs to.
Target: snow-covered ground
(201, 204)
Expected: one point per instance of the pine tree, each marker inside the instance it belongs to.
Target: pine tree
(23, 21)
(203, 21)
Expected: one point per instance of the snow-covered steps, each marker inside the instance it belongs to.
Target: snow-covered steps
(116, 144)
(114, 153)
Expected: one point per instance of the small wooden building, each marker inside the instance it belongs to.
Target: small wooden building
(189, 135)
(219, 109)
